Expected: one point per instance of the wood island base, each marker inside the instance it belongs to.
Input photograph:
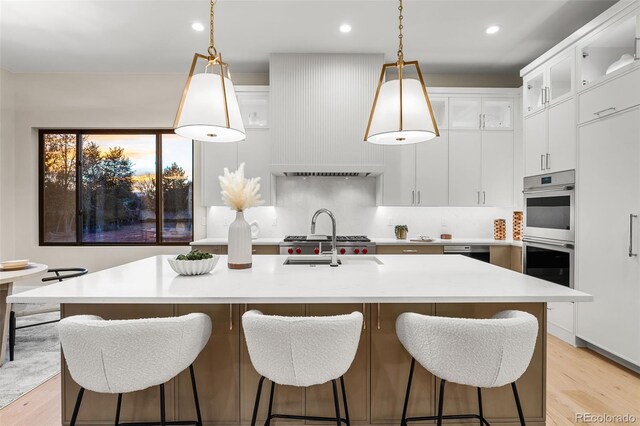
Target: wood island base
(376, 382)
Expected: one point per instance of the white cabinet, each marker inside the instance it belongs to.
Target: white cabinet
(608, 200)
(215, 157)
(561, 315)
(616, 95)
(416, 175)
(254, 151)
(550, 139)
(440, 107)
(465, 168)
(432, 171)
(480, 168)
(549, 84)
(497, 168)
(480, 114)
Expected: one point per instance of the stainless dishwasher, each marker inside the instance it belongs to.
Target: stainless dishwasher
(479, 252)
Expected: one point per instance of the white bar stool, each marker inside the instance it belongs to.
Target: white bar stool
(123, 356)
(302, 351)
(485, 353)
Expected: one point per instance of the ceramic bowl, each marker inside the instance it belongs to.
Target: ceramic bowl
(194, 267)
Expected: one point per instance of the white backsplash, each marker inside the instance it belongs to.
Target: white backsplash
(353, 202)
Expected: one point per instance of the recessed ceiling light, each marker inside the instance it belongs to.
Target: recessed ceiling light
(345, 28)
(492, 29)
(197, 26)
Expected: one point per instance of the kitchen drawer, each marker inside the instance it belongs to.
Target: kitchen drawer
(615, 95)
(561, 315)
(408, 249)
(266, 249)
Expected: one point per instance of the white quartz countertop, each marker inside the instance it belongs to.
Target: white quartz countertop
(360, 279)
(224, 241)
(378, 240)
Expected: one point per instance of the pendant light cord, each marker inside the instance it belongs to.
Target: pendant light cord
(212, 50)
(400, 27)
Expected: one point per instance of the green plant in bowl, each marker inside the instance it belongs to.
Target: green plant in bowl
(401, 232)
(194, 255)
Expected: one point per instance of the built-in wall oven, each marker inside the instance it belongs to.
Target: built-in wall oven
(549, 227)
(549, 260)
(549, 206)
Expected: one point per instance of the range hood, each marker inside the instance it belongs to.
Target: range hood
(319, 107)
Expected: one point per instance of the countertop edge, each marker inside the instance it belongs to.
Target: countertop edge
(377, 241)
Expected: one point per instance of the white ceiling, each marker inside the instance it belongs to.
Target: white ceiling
(156, 36)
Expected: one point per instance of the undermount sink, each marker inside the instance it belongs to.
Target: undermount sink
(326, 260)
(309, 260)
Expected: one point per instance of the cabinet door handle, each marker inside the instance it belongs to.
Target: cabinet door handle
(612, 109)
(378, 319)
(418, 197)
(542, 96)
(478, 197)
(413, 197)
(541, 161)
(230, 317)
(547, 160)
(631, 217)
(484, 121)
(479, 121)
(409, 251)
(484, 197)
(364, 316)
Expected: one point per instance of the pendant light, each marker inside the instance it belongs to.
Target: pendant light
(401, 112)
(209, 108)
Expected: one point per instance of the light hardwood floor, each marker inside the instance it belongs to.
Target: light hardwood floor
(578, 381)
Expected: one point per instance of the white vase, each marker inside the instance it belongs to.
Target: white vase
(239, 243)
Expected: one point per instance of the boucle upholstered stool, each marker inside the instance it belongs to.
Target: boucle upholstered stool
(123, 356)
(302, 351)
(484, 353)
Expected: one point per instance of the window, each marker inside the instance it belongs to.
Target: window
(102, 187)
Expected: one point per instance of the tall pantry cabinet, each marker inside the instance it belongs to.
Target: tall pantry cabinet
(608, 205)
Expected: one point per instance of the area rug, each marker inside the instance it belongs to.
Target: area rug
(37, 358)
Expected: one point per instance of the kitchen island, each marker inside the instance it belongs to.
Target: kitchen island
(381, 287)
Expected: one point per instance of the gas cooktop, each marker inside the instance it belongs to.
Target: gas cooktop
(339, 238)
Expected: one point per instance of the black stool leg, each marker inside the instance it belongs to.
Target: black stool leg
(162, 411)
(12, 335)
(344, 401)
(273, 388)
(336, 403)
(480, 407)
(403, 421)
(257, 403)
(441, 402)
(195, 394)
(118, 409)
(517, 398)
(76, 409)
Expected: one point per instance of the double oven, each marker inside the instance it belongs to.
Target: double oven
(549, 228)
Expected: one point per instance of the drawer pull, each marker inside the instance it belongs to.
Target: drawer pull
(409, 251)
(254, 250)
(612, 109)
(364, 315)
(378, 316)
(230, 317)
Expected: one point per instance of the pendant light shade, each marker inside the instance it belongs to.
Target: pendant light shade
(401, 113)
(417, 123)
(204, 111)
(209, 108)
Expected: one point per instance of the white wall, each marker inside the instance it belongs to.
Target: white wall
(7, 109)
(353, 201)
(81, 101)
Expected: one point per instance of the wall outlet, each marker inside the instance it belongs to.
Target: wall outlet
(226, 221)
(390, 221)
(274, 222)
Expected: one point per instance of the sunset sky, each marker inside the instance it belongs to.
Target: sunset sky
(140, 149)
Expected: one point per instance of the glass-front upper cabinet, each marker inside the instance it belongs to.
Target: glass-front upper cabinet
(611, 50)
(254, 107)
(440, 107)
(533, 96)
(497, 114)
(560, 78)
(465, 113)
